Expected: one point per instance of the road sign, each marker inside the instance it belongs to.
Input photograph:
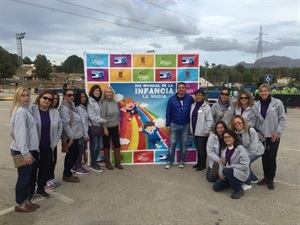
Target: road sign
(268, 78)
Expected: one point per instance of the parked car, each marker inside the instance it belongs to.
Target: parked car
(96, 74)
(165, 75)
(188, 60)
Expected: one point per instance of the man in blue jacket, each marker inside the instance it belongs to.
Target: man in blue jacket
(177, 121)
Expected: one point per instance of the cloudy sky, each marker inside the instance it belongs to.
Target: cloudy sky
(221, 31)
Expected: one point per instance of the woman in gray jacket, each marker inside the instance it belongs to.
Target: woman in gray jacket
(223, 109)
(201, 122)
(94, 112)
(248, 137)
(72, 133)
(25, 141)
(235, 167)
(49, 127)
(214, 146)
(268, 117)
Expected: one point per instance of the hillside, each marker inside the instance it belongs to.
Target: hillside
(273, 62)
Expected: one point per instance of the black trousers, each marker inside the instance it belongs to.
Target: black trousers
(113, 134)
(200, 143)
(40, 169)
(71, 157)
(53, 164)
(269, 158)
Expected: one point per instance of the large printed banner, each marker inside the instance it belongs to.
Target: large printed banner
(143, 85)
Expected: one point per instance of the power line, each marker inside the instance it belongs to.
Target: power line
(106, 13)
(151, 3)
(87, 17)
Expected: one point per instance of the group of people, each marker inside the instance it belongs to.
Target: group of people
(242, 131)
(36, 130)
(232, 134)
(288, 89)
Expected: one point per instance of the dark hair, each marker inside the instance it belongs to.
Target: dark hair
(148, 124)
(55, 94)
(66, 90)
(181, 83)
(232, 134)
(77, 98)
(225, 89)
(93, 88)
(217, 123)
(200, 92)
(38, 98)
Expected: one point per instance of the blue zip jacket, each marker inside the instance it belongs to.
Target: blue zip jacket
(177, 113)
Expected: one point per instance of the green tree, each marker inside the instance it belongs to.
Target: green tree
(73, 64)
(8, 64)
(27, 60)
(43, 67)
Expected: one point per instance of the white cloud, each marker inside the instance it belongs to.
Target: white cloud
(223, 32)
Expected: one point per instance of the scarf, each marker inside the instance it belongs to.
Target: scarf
(224, 106)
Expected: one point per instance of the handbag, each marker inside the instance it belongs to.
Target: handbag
(65, 147)
(97, 130)
(215, 169)
(19, 160)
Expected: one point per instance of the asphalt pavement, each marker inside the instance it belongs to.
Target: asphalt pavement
(150, 194)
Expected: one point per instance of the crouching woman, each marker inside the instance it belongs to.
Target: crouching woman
(234, 169)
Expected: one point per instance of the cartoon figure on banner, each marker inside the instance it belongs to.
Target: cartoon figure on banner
(151, 130)
(131, 109)
(133, 117)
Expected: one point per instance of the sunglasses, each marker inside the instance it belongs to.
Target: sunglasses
(70, 95)
(226, 94)
(238, 123)
(46, 98)
(244, 97)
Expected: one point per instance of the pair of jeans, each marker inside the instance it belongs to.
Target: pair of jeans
(269, 158)
(96, 145)
(230, 181)
(252, 176)
(82, 147)
(71, 157)
(178, 133)
(24, 173)
(200, 142)
(209, 176)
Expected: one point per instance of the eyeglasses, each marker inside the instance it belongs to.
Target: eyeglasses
(244, 97)
(227, 137)
(70, 95)
(226, 94)
(238, 123)
(46, 98)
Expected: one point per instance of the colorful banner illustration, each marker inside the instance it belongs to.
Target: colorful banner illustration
(143, 85)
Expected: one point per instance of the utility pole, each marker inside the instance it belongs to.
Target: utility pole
(259, 50)
(19, 37)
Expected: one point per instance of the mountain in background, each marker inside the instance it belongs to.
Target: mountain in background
(273, 62)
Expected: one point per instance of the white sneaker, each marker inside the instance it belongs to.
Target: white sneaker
(168, 166)
(246, 187)
(181, 165)
(254, 181)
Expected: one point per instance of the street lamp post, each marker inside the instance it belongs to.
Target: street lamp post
(19, 37)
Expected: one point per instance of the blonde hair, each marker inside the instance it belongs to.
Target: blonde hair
(245, 124)
(105, 90)
(16, 99)
(249, 96)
